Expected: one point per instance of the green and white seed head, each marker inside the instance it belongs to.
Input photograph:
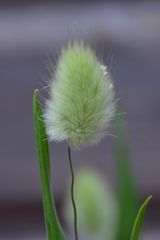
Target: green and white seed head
(81, 103)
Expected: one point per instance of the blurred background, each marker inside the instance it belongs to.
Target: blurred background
(127, 35)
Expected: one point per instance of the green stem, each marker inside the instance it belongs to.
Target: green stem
(72, 194)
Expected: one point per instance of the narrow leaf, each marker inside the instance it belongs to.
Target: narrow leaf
(127, 196)
(52, 225)
(139, 220)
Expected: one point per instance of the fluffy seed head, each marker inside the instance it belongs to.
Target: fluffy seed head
(81, 102)
(97, 208)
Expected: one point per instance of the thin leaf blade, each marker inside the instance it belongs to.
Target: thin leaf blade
(139, 220)
(127, 196)
(53, 227)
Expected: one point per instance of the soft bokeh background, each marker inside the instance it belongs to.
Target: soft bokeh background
(127, 34)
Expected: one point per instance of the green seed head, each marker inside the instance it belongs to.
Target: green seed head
(97, 209)
(81, 102)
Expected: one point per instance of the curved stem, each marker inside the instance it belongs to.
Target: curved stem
(72, 195)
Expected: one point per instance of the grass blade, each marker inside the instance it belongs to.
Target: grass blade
(52, 225)
(127, 196)
(139, 220)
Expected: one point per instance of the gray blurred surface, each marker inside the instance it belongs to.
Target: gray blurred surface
(149, 235)
(28, 38)
(130, 35)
